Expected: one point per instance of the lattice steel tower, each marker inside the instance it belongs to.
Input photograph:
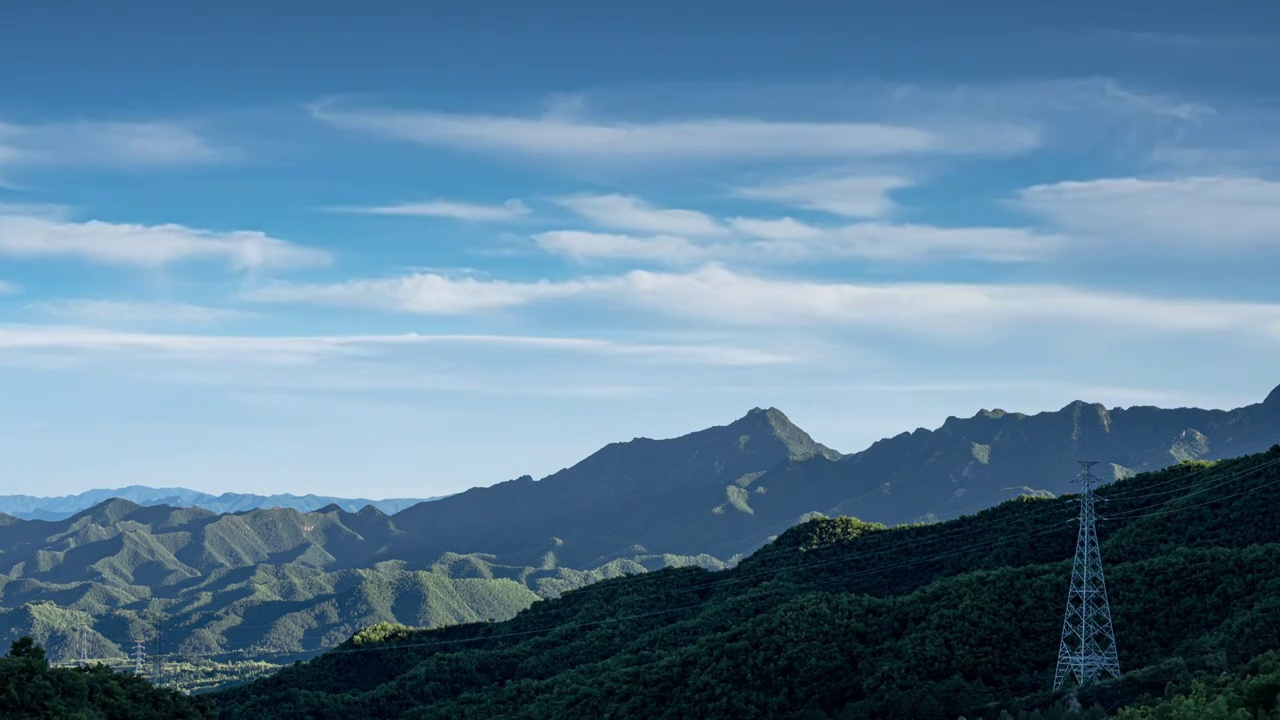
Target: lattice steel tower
(82, 645)
(139, 657)
(1088, 649)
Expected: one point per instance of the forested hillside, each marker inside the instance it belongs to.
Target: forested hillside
(266, 584)
(276, 585)
(32, 690)
(839, 618)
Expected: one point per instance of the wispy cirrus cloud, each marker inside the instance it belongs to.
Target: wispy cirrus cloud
(682, 237)
(857, 196)
(37, 236)
(720, 296)
(791, 240)
(103, 143)
(119, 312)
(264, 348)
(585, 245)
(903, 122)
(423, 293)
(787, 240)
(508, 210)
(564, 134)
(628, 212)
(1214, 214)
(9, 288)
(783, 229)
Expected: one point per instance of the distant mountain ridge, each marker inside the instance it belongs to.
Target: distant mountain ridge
(28, 507)
(655, 495)
(840, 618)
(726, 490)
(284, 583)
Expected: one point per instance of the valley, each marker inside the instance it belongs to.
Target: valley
(244, 592)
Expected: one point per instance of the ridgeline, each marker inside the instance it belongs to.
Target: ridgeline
(225, 596)
(839, 618)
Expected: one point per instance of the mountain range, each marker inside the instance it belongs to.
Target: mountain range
(840, 618)
(726, 490)
(279, 583)
(28, 507)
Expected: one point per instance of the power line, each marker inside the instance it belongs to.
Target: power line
(933, 538)
(1043, 531)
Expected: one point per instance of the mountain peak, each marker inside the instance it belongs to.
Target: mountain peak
(108, 511)
(774, 422)
(1273, 400)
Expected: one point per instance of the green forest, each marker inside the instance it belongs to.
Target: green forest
(223, 598)
(31, 689)
(839, 618)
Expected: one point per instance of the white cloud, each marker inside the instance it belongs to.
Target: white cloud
(121, 144)
(859, 196)
(788, 240)
(1207, 213)
(47, 211)
(562, 135)
(130, 313)
(424, 293)
(949, 309)
(9, 288)
(627, 212)
(786, 229)
(509, 210)
(861, 120)
(274, 349)
(1081, 107)
(34, 236)
(581, 245)
(718, 296)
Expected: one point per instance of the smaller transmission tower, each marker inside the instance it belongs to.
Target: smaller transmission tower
(82, 645)
(1088, 648)
(159, 656)
(139, 657)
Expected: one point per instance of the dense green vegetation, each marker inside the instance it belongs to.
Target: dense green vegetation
(236, 590)
(844, 619)
(32, 690)
(230, 592)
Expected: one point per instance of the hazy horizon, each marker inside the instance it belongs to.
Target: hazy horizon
(400, 254)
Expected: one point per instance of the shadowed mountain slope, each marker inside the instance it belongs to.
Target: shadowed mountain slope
(280, 583)
(662, 495)
(724, 491)
(839, 618)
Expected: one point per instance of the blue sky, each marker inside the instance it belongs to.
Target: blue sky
(404, 250)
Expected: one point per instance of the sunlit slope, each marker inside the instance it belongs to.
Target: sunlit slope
(840, 618)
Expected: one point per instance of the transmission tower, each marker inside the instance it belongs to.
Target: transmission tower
(159, 656)
(1088, 648)
(139, 657)
(82, 645)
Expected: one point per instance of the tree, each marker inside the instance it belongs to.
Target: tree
(26, 647)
